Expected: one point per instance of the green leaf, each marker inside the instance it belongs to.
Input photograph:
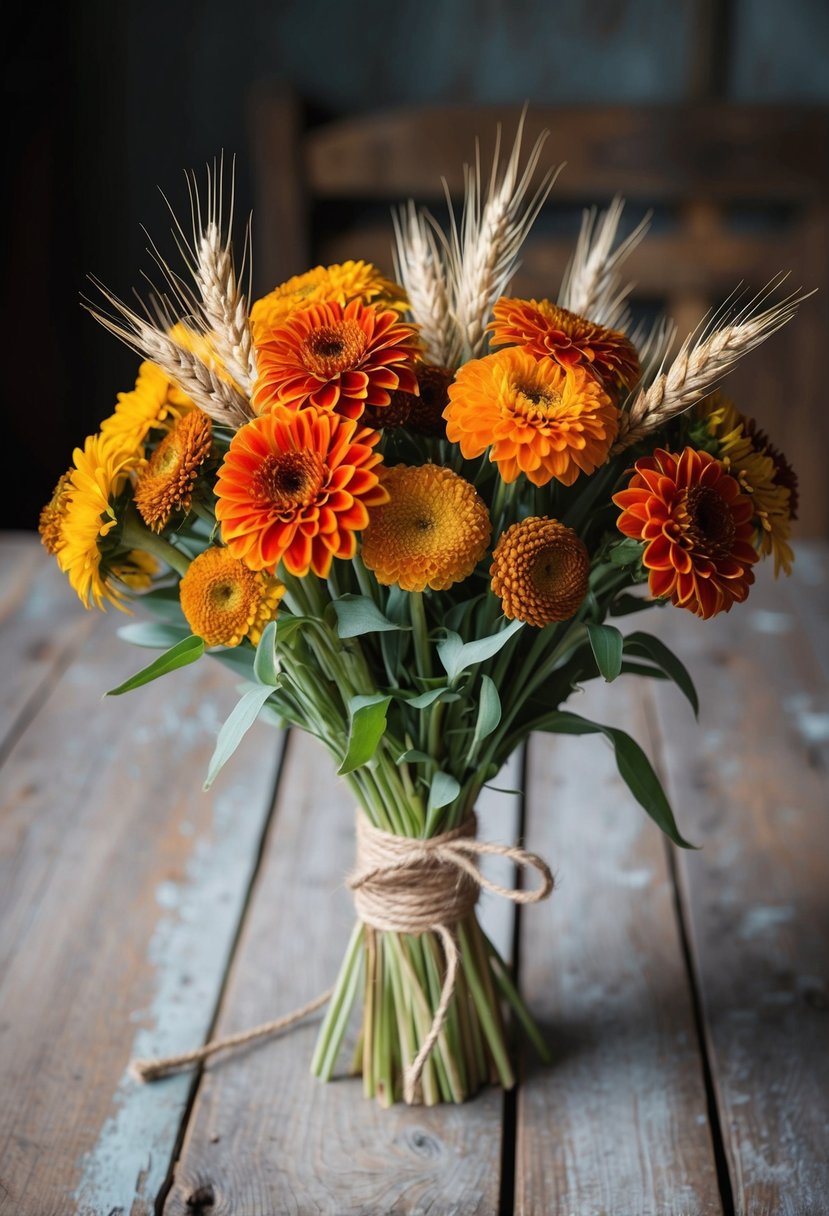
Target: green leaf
(265, 661)
(368, 722)
(358, 614)
(413, 756)
(241, 719)
(634, 768)
(652, 648)
(627, 552)
(184, 652)
(456, 655)
(424, 699)
(164, 604)
(442, 790)
(624, 604)
(606, 642)
(489, 713)
(157, 635)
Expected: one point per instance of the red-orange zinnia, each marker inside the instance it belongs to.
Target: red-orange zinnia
(336, 358)
(295, 487)
(697, 527)
(544, 329)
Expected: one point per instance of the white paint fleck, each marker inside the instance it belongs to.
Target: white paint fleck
(636, 878)
(764, 621)
(763, 917)
(814, 727)
(702, 1120)
(168, 895)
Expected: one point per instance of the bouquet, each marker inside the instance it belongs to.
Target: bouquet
(406, 512)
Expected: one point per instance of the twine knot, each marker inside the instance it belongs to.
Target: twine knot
(406, 885)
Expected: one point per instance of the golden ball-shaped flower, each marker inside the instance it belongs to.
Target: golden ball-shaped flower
(539, 571)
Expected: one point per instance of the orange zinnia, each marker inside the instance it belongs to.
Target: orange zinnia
(544, 329)
(697, 528)
(536, 417)
(295, 487)
(336, 358)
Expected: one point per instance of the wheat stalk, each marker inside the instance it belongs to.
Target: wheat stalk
(483, 254)
(592, 285)
(151, 339)
(702, 361)
(420, 270)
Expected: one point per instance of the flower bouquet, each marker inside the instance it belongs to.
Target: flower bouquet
(405, 513)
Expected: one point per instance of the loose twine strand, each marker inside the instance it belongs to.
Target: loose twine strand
(400, 885)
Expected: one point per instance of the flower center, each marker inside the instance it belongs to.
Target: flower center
(289, 480)
(547, 571)
(710, 524)
(535, 403)
(166, 457)
(224, 596)
(332, 349)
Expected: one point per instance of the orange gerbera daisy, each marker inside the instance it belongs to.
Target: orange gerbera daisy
(432, 532)
(539, 571)
(223, 601)
(335, 358)
(534, 416)
(166, 484)
(697, 527)
(295, 487)
(544, 329)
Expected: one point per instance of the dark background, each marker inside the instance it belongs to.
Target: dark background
(106, 102)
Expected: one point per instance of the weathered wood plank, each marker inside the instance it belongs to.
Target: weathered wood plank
(121, 886)
(41, 625)
(265, 1136)
(751, 786)
(618, 1122)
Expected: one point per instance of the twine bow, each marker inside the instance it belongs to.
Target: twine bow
(401, 885)
(406, 885)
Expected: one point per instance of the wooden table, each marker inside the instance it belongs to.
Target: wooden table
(685, 994)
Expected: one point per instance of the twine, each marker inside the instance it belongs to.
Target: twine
(401, 885)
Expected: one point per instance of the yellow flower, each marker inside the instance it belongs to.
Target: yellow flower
(166, 484)
(224, 601)
(432, 532)
(539, 571)
(101, 469)
(50, 524)
(763, 474)
(337, 284)
(154, 402)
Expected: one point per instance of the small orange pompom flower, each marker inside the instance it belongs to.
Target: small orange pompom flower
(539, 571)
(697, 527)
(432, 532)
(336, 358)
(169, 479)
(544, 329)
(295, 487)
(535, 417)
(223, 601)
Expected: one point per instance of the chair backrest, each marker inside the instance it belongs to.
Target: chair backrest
(739, 192)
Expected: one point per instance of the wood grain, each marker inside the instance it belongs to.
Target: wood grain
(121, 886)
(267, 1137)
(618, 1122)
(751, 785)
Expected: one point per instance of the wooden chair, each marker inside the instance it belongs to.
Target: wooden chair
(739, 194)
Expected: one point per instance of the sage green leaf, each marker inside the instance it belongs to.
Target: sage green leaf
(413, 756)
(456, 655)
(627, 552)
(489, 713)
(649, 647)
(634, 768)
(368, 722)
(158, 635)
(265, 661)
(606, 643)
(358, 614)
(625, 603)
(442, 790)
(184, 652)
(424, 699)
(164, 604)
(241, 719)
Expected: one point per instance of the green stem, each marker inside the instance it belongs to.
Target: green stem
(420, 630)
(136, 536)
(335, 1022)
